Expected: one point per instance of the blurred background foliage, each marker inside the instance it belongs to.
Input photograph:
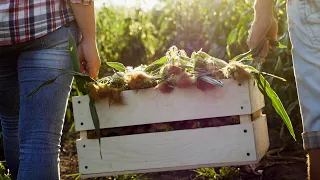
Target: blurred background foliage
(134, 36)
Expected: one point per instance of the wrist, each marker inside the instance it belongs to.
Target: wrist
(263, 8)
(89, 37)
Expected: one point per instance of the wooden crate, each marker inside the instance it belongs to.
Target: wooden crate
(242, 143)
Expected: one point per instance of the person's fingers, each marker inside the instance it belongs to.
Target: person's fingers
(94, 66)
(264, 51)
(94, 73)
(90, 62)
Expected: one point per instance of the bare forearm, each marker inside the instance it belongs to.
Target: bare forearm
(85, 18)
(263, 8)
(88, 53)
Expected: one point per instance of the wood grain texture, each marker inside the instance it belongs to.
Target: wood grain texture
(245, 118)
(83, 135)
(186, 149)
(150, 106)
(256, 97)
(261, 136)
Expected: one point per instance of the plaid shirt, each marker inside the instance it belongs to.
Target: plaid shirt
(24, 20)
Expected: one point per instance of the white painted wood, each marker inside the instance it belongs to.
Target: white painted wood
(257, 99)
(151, 106)
(245, 119)
(175, 150)
(93, 175)
(83, 135)
(261, 136)
(256, 114)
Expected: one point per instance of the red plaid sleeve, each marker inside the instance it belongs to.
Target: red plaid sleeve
(84, 2)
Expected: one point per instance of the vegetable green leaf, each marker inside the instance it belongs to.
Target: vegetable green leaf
(212, 81)
(95, 119)
(81, 84)
(282, 46)
(156, 64)
(274, 76)
(117, 66)
(264, 86)
(74, 53)
(42, 85)
(241, 57)
(80, 76)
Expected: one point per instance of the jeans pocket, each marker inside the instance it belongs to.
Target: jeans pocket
(310, 17)
(57, 40)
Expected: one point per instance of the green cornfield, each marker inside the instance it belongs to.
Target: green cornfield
(134, 36)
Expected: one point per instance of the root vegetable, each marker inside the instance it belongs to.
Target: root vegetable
(241, 74)
(93, 90)
(98, 92)
(171, 70)
(165, 87)
(202, 85)
(182, 80)
(140, 80)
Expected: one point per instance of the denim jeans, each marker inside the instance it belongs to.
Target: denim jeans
(32, 127)
(304, 29)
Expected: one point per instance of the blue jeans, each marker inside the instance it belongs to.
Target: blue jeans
(304, 28)
(32, 128)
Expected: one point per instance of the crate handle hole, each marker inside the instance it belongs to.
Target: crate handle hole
(245, 131)
(241, 107)
(81, 124)
(84, 146)
(79, 102)
(248, 154)
(86, 167)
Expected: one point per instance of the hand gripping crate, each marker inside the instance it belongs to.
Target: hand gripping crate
(244, 142)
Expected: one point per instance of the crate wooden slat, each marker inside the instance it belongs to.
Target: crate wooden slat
(175, 150)
(230, 145)
(151, 106)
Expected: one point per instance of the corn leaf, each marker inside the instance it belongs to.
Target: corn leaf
(156, 64)
(96, 122)
(80, 76)
(274, 76)
(282, 46)
(250, 54)
(81, 84)
(42, 85)
(74, 53)
(241, 57)
(265, 88)
(83, 79)
(232, 37)
(212, 81)
(117, 66)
